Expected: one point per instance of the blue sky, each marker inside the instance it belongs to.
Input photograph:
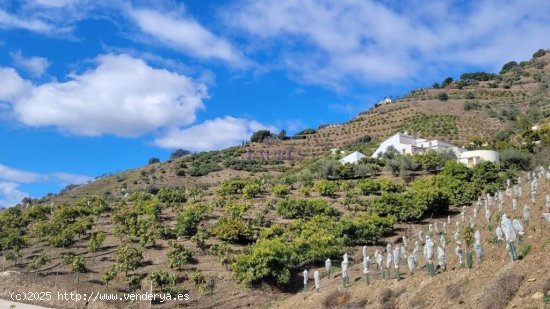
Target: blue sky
(90, 87)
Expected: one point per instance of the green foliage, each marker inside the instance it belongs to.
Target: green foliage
(281, 249)
(515, 158)
(292, 208)
(96, 240)
(178, 256)
(457, 170)
(223, 252)
(326, 187)
(435, 86)
(198, 278)
(486, 177)
(366, 228)
(260, 135)
(446, 82)
(252, 189)
(153, 160)
(432, 160)
(368, 187)
(478, 76)
(472, 105)
(306, 132)
(162, 280)
(539, 53)
(249, 165)
(109, 275)
(509, 66)
(36, 213)
(40, 261)
(326, 168)
(172, 196)
(234, 186)
(233, 229)
(280, 190)
(128, 258)
(443, 96)
(188, 221)
(200, 239)
(203, 169)
(429, 125)
(468, 236)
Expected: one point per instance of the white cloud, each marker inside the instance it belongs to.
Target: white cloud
(185, 34)
(12, 178)
(53, 3)
(332, 42)
(122, 96)
(14, 175)
(10, 194)
(36, 66)
(13, 85)
(8, 21)
(212, 134)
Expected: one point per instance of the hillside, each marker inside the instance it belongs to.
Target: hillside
(234, 230)
(473, 108)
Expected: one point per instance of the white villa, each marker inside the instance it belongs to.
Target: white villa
(409, 144)
(352, 158)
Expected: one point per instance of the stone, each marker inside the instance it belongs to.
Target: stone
(532, 280)
(537, 296)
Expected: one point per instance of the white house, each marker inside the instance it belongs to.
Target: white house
(352, 158)
(409, 144)
(471, 158)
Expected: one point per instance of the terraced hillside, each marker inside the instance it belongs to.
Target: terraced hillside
(472, 108)
(237, 232)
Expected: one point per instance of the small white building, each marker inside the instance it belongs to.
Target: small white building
(352, 158)
(471, 158)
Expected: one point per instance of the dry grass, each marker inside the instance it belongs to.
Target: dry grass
(388, 298)
(499, 292)
(454, 289)
(336, 299)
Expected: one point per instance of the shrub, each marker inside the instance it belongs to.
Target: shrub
(326, 187)
(443, 96)
(539, 53)
(326, 168)
(233, 229)
(162, 280)
(252, 189)
(178, 256)
(302, 208)
(469, 95)
(188, 221)
(486, 177)
(128, 258)
(515, 158)
(234, 186)
(260, 135)
(509, 66)
(154, 160)
(471, 105)
(366, 228)
(179, 153)
(281, 190)
(368, 187)
(388, 186)
(172, 196)
(446, 82)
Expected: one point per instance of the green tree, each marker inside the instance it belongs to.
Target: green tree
(233, 229)
(539, 53)
(77, 264)
(260, 135)
(96, 241)
(128, 258)
(443, 96)
(188, 221)
(39, 262)
(153, 160)
(326, 187)
(509, 66)
(109, 275)
(446, 82)
(178, 256)
(282, 135)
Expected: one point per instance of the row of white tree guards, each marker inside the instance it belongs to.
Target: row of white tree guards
(508, 230)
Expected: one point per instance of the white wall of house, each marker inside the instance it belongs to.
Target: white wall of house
(472, 158)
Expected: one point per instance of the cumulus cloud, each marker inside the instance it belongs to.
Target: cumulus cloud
(122, 95)
(183, 33)
(36, 66)
(9, 21)
(212, 134)
(11, 180)
(10, 194)
(331, 42)
(13, 85)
